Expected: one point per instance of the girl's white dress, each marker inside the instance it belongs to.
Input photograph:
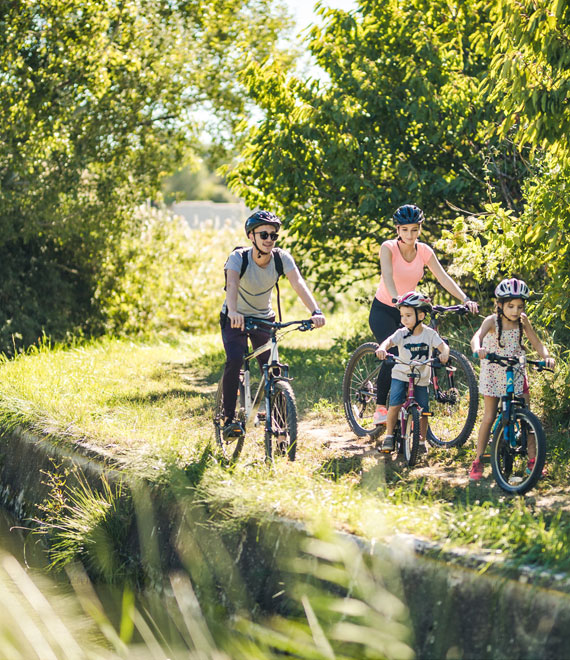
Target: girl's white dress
(492, 378)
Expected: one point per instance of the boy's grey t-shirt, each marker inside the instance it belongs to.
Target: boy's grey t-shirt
(414, 347)
(256, 284)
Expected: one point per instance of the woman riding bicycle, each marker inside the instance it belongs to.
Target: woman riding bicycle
(248, 293)
(402, 263)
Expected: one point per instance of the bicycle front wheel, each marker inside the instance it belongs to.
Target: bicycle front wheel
(282, 438)
(411, 437)
(514, 472)
(359, 389)
(229, 447)
(454, 399)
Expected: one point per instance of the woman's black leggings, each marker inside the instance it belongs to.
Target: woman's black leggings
(384, 321)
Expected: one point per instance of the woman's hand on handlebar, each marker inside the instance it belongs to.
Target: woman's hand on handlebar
(236, 320)
(472, 306)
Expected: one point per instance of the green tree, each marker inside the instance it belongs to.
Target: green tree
(399, 118)
(529, 81)
(98, 101)
(530, 74)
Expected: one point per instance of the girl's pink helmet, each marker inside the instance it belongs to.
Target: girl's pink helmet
(512, 288)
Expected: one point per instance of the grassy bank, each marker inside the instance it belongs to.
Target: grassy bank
(150, 405)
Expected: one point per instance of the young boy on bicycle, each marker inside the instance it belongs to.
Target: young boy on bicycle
(415, 341)
(248, 293)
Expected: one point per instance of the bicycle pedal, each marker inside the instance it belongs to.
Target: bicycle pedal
(233, 430)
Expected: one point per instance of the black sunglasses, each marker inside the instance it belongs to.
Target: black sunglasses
(265, 235)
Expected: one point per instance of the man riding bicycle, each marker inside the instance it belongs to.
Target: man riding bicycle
(251, 274)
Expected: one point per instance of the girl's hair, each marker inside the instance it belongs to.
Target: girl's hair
(499, 313)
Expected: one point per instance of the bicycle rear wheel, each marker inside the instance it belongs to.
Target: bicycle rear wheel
(453, 405)
(411, 437)
(509, 453)
(359, 388)
(230, 447)
(282, 439)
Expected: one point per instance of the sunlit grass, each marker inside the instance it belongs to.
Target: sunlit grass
(150, 404)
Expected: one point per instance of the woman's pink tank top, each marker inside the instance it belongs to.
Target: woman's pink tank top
(406, 274)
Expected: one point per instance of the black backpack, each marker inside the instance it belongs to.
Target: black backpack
(244, 252)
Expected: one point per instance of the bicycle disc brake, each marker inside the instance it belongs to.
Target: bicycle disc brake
(449, 396)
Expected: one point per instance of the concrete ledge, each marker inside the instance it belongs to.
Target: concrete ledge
(461, 605)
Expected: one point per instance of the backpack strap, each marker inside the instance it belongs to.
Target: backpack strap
(279, 269)
(243, 251)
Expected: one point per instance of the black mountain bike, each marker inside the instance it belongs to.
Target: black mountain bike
(518, 445)
(453, 391)
(279, 410)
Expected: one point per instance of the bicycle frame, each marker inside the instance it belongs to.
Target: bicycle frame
(412, 377)
(509, 401)
(409, 402)
(264, 387)
(273, 371)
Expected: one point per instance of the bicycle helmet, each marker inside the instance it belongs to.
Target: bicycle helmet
(261, 218)
(409, 214)
(512, 288)
(415, 299)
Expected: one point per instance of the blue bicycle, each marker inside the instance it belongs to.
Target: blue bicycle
(518, 445)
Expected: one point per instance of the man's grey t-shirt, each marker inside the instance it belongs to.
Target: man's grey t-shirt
(256, 284)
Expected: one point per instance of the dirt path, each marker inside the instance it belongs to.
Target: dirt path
(436, 466)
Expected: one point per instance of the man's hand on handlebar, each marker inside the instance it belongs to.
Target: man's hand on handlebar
(318, 319)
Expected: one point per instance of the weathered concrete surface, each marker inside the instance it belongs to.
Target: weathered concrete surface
(459, 608)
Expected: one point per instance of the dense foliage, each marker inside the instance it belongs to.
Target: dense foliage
(399, 119)
(98, 100)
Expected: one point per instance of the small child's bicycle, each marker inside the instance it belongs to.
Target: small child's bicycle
(517, 434)
(407, 429)
(453, 391)
(280, 410)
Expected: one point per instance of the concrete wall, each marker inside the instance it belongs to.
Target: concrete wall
(462, 607)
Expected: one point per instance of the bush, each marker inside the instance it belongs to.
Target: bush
(166, 278)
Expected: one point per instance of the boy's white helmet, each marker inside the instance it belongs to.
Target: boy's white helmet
(415, 299)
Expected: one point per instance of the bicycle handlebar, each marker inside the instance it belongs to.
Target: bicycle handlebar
(504, 360)
(457, 309)
(252, 323)
(392, 359)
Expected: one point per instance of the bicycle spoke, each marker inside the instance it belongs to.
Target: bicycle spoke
(359, 388)
(513, 449)
(454, 405)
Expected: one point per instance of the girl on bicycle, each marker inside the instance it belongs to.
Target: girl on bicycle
(402, 262)
(502, 333)
(415, 341)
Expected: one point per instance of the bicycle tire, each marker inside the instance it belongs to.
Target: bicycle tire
(230, 448)
(453, 418)
(282, 439)
(411, 438)
(509, 460)
(359, 389)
